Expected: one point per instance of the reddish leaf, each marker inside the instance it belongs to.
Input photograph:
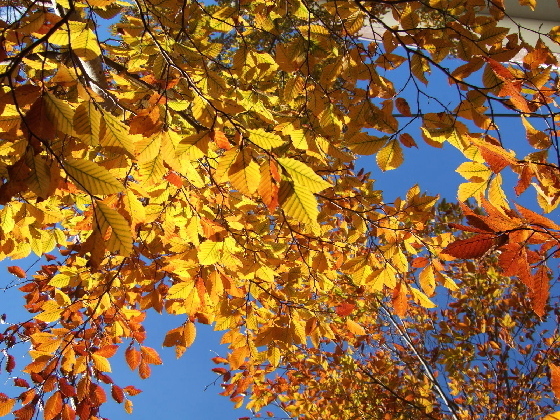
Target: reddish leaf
(117, 394)
(537, 219)
(10, 363)
(467, 228)
(25, 412)
(474, 247)
(174, 179)
(344, 309)
(477, 222)
(420, 262)
(21, 382)
(499, 70)
(98, 395)
(65, 388)
(17, 271)
(221, 140)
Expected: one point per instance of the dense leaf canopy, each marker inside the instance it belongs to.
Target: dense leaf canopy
(199, 159)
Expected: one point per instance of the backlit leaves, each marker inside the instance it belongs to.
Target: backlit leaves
(91, 177)
(211, 168)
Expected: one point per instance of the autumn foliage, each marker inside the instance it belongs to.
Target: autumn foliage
(200, 160)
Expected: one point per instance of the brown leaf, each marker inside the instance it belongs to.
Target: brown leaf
(10, 363)
(403, 107)
(474, 247)
(407, 140)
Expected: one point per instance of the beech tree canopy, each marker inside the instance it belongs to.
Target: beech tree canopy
(199, 159)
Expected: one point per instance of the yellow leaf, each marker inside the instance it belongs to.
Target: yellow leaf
(265, 139)
(114, 135)
(121, 237)
(86, 46)
(87, 123)
(180, 290)
(303, 175)
(92, 178)
(421, 298)
(60, 113)
(51, 312)
(471, 189)
(244, 173)
(390, 156)
(428, 280)
(101, 363)
(299, 203)
(474, 171)
(210, 252)
(39, 180)
(365, 144)
(354, 327)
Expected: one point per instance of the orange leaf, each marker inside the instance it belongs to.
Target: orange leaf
(133, 357)
(108, 351)
(540, 292)
(53, 406)
(132, 391)
(555, 379)
(400, 301)
(17, 271)
(474, 247)
(499, 70)
(537, 219)
(150, 356)
(68, 413)
(221, 140)
(144, 370)
(420, 262)
(6, 406)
